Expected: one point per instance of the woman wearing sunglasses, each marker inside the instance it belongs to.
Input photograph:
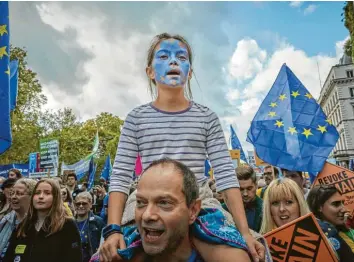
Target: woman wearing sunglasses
(90, 225)
(46, 233)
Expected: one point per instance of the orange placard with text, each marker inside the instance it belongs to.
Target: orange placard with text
(342, 178)
(301, 240)
(235, 154)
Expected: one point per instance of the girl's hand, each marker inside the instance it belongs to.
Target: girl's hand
(256, 249)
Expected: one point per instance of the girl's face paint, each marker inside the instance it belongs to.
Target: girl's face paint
(171, 63)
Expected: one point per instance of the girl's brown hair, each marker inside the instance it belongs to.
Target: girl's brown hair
(69, 197)
(56, 217)
(155, 41)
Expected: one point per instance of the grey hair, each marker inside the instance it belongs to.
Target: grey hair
(86, 195)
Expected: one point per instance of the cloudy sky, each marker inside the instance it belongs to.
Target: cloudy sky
(90, 56)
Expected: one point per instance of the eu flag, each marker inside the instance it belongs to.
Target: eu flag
(208, 172)
(290, 130)
(92, 173)
(235, 144)
(5, 124)
(107, 169)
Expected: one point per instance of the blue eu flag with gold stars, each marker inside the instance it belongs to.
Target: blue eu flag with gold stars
(290, 130)
(5, 125)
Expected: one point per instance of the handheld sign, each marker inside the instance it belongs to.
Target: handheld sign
(342, 178)
(301, 240)
(235, 155)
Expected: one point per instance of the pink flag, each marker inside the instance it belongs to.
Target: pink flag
(138, 166)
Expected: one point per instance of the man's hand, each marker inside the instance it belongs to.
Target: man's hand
(108, 250)
(256, 249)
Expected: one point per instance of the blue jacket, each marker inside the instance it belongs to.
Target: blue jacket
(96, 225)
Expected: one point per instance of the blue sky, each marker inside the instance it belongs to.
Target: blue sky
(90, 56)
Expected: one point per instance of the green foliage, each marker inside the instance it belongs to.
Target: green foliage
(30, 123)
(349, 24)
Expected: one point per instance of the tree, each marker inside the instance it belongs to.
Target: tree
(25, 130)
(349, 24)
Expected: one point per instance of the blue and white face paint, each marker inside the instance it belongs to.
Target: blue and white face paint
(171, 63)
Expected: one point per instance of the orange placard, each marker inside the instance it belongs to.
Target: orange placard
(300, 240)
(342, 178)
(235, 153)
(259, 162)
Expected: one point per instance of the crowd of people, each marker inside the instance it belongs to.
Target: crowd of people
(42, 218)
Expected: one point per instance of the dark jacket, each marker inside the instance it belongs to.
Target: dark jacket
(96, 225)
(344, 252)
(253, 213)
(62, 246)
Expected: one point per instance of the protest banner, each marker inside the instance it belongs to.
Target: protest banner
(23, 168)
(301, 240)
(49, 153)
(342, 178)
(235, 156)
(80, 168)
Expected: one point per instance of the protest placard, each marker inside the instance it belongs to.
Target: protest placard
(301, 240)
(342, 178)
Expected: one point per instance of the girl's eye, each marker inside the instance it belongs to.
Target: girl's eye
(163, 57)
(289, 202)
(182, 58)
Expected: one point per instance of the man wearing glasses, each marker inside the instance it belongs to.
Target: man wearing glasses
(268, 175)
(89, 225)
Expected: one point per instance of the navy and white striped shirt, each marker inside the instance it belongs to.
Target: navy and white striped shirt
(187, 136)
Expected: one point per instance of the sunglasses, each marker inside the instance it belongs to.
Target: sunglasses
(84, 204)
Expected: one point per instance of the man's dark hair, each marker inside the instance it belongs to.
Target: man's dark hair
(245, 173)
(190, 186)
(72, 175)
(85, 184)
(8, 183)
(318, 196)
(276, 171)
(17, 172)
(283, 170)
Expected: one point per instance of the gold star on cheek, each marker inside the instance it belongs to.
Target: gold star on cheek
(322, 129)
(273, 104)
(7, 71)
(282, 97)
(279, 123)
(3, 30)
(3, 51)
(162, 78)
(295, 93)
(329, 121)
(292, 130)
(272, 114)
(309, 96)
(307, 132)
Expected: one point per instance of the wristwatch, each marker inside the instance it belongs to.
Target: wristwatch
(110, 229)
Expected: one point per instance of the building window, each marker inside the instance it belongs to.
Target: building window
(351, 89)
(350, 73)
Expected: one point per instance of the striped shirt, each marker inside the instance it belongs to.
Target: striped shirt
(187, 136)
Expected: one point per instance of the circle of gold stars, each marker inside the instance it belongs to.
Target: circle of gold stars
(292, 130)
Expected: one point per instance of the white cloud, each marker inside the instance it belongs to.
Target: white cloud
(115, 70)
(246, 60)
(296, 3)
(304, 67)
(310, 9)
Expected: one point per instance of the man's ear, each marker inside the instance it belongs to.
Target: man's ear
(194, 210)
(150, 73)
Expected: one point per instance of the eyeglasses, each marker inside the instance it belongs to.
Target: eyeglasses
(84, 204)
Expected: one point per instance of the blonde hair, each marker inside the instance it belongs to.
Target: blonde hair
(30, 184)
(155, 41)
(56, 217)
(279, 189)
